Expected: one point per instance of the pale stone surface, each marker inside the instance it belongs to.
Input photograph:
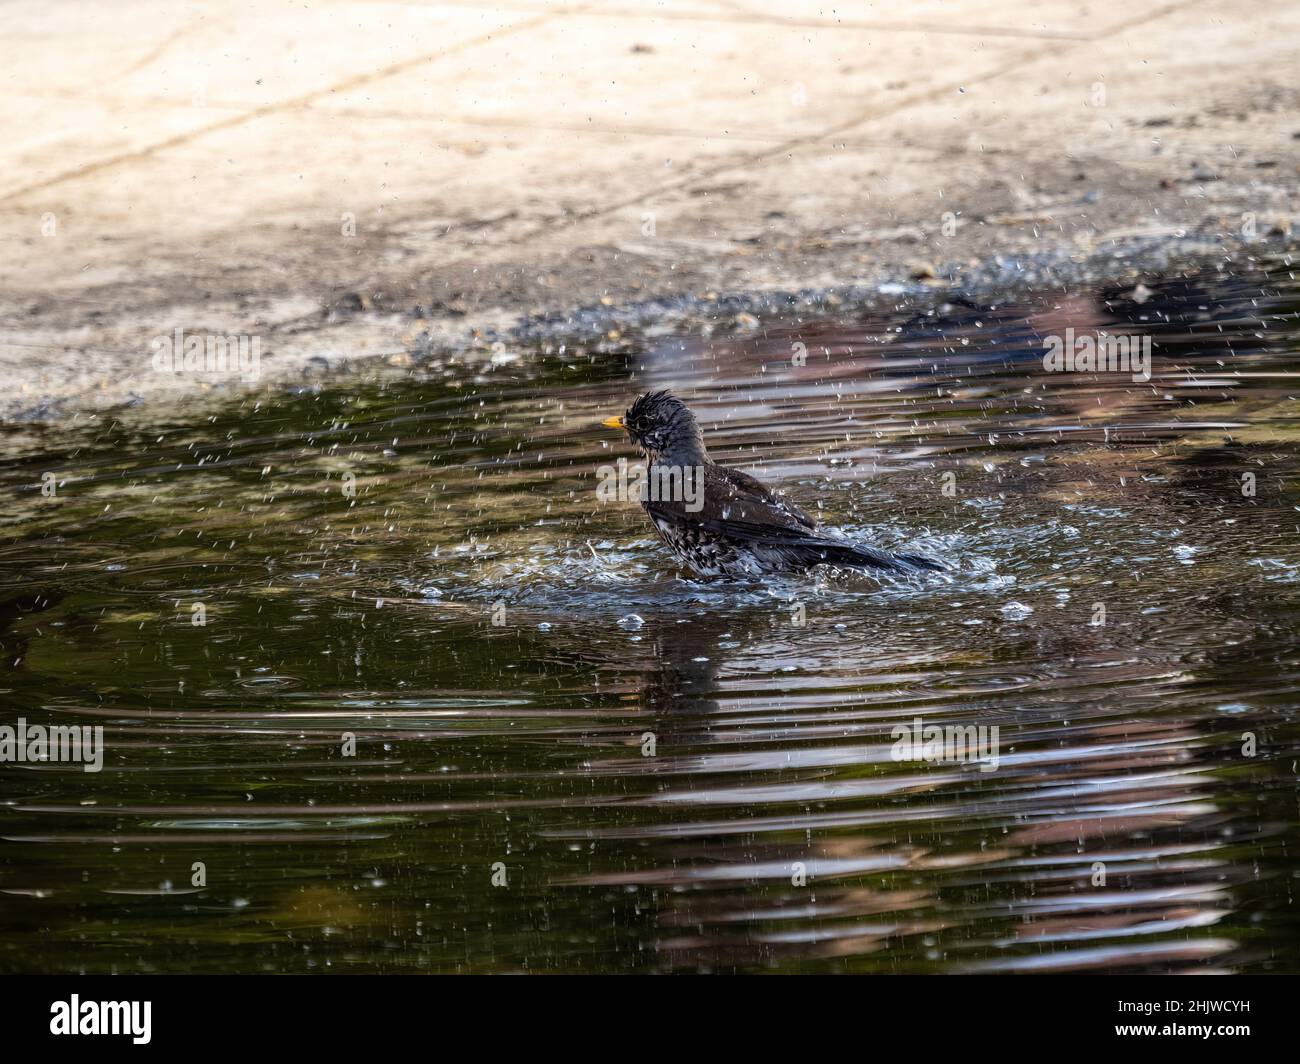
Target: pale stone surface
(196, 165)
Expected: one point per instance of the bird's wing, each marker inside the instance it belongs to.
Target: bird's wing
(737, 488)
(741, 506)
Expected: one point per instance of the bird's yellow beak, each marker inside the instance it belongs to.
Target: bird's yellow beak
(614, 423)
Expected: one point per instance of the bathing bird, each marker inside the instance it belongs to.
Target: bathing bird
(722, 522)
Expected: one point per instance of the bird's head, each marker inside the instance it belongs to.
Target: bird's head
(661, 426)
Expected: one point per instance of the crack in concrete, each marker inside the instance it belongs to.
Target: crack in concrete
(301, 101)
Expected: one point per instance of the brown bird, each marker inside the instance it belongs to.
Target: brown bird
(722, 522)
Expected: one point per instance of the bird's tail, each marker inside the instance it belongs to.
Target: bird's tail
(862, 557)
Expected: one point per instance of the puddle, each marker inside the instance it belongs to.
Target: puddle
(420, 560)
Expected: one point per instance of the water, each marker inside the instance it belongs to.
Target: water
(1128, 825)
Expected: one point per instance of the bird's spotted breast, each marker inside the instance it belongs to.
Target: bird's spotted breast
(706, 553)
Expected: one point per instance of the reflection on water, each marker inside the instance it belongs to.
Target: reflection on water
(1120, 609)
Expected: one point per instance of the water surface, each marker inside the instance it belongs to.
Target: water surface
(417, 557)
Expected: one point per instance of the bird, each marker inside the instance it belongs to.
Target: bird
(722, 522)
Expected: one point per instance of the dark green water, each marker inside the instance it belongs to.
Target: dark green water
(1124, 828)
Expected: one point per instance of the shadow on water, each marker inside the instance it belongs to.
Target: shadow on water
(670, 774)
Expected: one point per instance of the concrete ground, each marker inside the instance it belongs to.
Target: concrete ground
(338, 178)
